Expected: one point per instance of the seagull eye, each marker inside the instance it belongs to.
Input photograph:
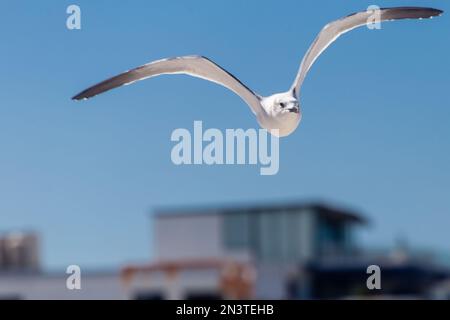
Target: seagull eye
(282, 104)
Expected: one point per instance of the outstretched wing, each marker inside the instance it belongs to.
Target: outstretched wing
(333, 30)
(196, 66)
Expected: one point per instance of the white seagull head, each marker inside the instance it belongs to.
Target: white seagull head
(280, 113)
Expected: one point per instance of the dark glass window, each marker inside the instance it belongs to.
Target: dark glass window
(236, 230)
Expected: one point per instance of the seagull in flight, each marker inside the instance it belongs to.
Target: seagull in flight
(279, 113)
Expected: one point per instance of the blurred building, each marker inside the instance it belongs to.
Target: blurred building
(268, 247)
(19, 251)
(22, 277)
(409, 277)
(285, 251)
(95, 285)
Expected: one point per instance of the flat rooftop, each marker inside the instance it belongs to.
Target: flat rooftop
(321, 208)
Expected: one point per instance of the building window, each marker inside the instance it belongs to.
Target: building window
(279, 239)
(332, 237)
(236, 230)
(270, 237)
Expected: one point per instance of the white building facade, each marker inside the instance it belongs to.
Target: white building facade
(271, 243)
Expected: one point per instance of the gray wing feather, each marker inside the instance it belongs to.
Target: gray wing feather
(335, 29)
(196, 66)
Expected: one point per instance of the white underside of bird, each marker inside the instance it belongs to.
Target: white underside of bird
(279, 113)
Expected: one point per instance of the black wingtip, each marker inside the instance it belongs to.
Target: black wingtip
(436, 12)
(433, 12)
(80, 96)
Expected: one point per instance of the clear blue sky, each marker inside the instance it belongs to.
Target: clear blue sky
(375, 134)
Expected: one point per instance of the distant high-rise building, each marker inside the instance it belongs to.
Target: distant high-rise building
(19, 252)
